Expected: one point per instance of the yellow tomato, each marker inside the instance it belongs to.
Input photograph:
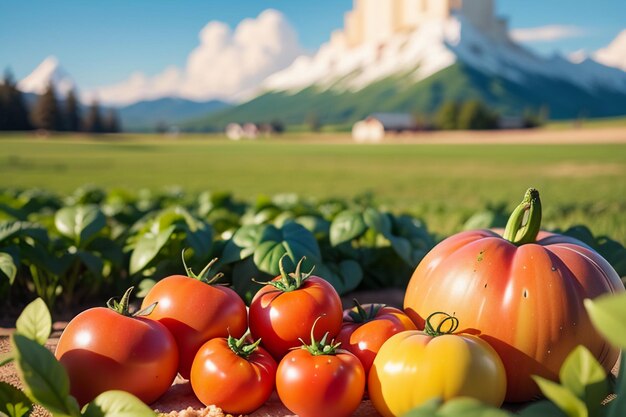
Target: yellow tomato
(413, 367)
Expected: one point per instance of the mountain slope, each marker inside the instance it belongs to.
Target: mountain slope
(145, 115)
(395, 94)
(48, 71)
(417, 71)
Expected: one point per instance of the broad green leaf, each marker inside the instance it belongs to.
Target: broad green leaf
(80, 223)
(147, 248)
(469, 407)
(377, 221)
(348, 225)
(8, 266)
(344, 276)
(200, 239)
(117, 404)
(565, 399)
(608, 315)
(243, 243)
(45, 380)
(13, 402)
(584, 376)
(428, 409)
(35, 322)
(542, 409)
(145, 285)
(242, 275)
(94, 264)
(13, 229)
(292, 239)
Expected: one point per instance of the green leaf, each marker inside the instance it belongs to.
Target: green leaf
(565, 399)
(608, 315)
(344, 276)
(243, 243)
(13, 402)
(585, 377)
(292, 239)
(45, 380)
(377, 221)
(147, 248)
(94, 264)
(117, 404)
(8, 266)
(80, 223)
(542, 409)
(16, 229)
(35, 322)
(348, 225)
(5, 358)
(457, 407)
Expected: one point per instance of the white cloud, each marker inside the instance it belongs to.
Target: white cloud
(546, 33)
(226, 64)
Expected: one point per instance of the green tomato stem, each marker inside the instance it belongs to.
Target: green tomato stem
(525, 221)
(451, 322)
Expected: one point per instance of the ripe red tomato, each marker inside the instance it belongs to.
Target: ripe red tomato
(317, 380)
(195, 311)
(365, 329)
(237, 377)
(522, 291)
(283, 311)
(103, 349)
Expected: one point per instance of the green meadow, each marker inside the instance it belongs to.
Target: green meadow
(444, 184)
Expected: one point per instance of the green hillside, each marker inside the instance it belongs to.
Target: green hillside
(400, 94)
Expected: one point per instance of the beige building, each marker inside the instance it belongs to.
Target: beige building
(374, 21)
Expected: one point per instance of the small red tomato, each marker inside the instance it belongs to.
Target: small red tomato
(237, 377)
(284, 310)
(318, 380)
(365, 329)
(106, 349)
(195, 311)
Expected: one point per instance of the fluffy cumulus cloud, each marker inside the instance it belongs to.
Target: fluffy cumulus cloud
(547, 33)
(227, 64)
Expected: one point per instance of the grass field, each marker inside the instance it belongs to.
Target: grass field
(445, 184)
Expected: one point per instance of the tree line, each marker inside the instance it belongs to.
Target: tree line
(50, 114)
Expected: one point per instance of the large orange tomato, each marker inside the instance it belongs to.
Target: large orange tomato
(106, 349)
(195, 311)
(522, 291)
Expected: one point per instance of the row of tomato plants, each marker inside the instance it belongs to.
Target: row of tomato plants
(93, 243)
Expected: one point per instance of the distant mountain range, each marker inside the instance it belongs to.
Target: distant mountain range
(411, 71)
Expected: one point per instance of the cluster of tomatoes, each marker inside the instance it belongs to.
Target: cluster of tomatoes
(518, 297)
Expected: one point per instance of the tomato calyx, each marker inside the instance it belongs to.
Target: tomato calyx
(359, 315)
(289, 281)
(322, 347)
(123, 306)
(203, 276)
(448, 325)
(525, 221)
(240, 347)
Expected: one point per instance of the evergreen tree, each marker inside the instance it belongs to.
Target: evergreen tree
(46, 114)
(72, 113)
(111, 123)
(474, 115)
(13, 110)
(93, 120)
(447, 116)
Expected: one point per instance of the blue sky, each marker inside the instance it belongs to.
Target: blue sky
(102, 42)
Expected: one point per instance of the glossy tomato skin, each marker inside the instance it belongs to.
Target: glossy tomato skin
(281, 319)
(526, 301)
(325, 385)
(365, 339)
(103, 350)
(235, 384)
(195, 312)
(412, 368)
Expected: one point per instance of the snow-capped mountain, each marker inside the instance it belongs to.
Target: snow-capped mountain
(614, 54)
(438, 44)
(458, 51)
(48, 71)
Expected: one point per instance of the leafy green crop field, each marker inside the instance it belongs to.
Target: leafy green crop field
(443, 184)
